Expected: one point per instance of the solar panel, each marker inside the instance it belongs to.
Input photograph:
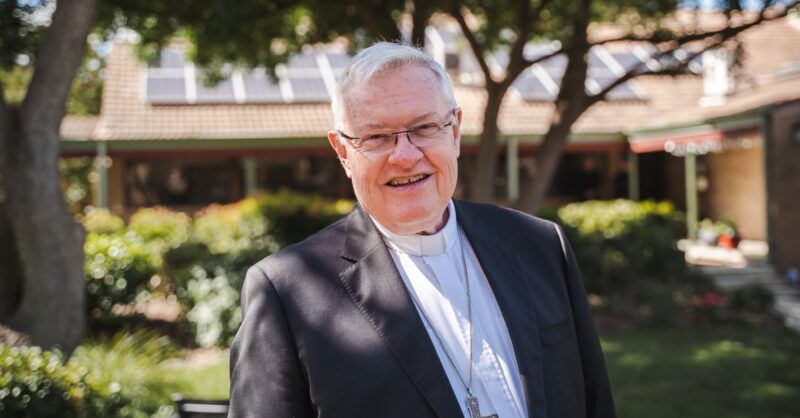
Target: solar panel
(624, 91)
(338, 60)
(627, 60)
(555, 66)
(302, 62)
(258, 88)
(530, 88)
(308, 89)
(165, 90)
(222, 92)
(598, 67)
(172, 58)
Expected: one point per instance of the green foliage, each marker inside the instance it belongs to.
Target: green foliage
(293, 217)
(102, 221)
(130, 363)
(215, 312)
(19, 32)
(751, 299)
(161, 228)
(36, 383)
(117, 267)
(208, 271)
(77, 175)
(233, 228)
(620, 242)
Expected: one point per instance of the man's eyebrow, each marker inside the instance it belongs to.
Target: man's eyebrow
(413, 121)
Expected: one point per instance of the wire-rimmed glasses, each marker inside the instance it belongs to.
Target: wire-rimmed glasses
(423, 135)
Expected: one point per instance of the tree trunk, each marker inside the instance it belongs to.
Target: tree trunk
(50, 245)
(548, 156)
(49, 240)
(482, 180)
(570, 104)
(10, 270)
(419, 18)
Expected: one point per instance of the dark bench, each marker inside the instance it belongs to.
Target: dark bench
(190, 408)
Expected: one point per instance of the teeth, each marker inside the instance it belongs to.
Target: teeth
(401, 181)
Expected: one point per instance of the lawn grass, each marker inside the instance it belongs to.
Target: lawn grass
(207, 381)
(731, 372)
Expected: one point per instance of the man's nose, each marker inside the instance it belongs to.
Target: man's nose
(404, 153)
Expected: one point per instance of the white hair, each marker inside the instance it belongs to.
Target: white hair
(378, 59)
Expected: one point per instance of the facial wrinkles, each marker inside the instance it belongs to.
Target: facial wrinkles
(395, 102)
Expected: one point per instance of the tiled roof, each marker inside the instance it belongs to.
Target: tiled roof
(78, 128)
(125, 115)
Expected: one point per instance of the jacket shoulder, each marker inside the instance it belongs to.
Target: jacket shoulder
(313, 250)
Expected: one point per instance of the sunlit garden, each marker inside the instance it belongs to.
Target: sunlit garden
(163, 293)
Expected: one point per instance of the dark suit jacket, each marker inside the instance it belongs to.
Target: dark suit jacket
(330, 330)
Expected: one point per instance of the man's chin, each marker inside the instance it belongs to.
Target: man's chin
(410, 224)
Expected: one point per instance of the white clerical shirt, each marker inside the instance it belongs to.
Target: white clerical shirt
(432, 270)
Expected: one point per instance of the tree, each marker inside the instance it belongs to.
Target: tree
(48, 239)
(509, 25)
(41, 279)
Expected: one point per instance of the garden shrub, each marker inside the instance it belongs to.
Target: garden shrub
(619, 242)
(36, 383)
(233, 228)
(209, 285)
(129, 362)
(293, 217)
(161, 228)
(751, 299)
(117, 267)
(102, 221)
(215, 312)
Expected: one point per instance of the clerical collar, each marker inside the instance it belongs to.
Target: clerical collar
(423, 245)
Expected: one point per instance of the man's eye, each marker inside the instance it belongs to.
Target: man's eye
(428, 129)
(376, 138)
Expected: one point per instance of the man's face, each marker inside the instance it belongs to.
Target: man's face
(401, 98)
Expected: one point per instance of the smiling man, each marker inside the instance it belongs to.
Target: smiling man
(415, 305)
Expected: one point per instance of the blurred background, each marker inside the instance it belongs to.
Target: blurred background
(151, 151)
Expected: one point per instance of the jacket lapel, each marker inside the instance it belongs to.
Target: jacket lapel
(514, 295)
(375, 286)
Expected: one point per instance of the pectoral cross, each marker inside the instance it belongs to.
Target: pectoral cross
(474, 408)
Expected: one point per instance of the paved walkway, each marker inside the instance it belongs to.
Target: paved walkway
(754, 270)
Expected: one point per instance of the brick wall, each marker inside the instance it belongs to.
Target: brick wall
(784, 194)
(737, 189)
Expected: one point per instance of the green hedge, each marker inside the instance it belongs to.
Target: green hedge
(620, 242)
(208, 270)
(36, 383)
(202, 260)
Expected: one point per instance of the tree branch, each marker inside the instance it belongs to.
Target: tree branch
(375, 22)
(693, 37)
(721, 36)
(5, 125)
(57, 61)
(477, 49)
(634, 72)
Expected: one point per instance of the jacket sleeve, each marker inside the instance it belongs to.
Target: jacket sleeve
(599, 401)
(266, 377)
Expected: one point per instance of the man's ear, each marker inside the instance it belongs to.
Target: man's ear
(341, 151)
(457, 130)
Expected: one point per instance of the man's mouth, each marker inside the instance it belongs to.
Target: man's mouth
(402, 181)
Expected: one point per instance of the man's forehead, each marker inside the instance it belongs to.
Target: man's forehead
(398, 86)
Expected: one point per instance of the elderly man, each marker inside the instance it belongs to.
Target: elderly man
(415, 305)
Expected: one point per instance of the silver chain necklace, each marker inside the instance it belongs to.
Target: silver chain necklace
(472, 401)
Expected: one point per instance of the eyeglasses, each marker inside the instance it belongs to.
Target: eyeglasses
(422, 136)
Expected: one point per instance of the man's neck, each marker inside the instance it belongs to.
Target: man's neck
(439, 225)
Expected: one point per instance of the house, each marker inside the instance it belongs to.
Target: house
(717, 140)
